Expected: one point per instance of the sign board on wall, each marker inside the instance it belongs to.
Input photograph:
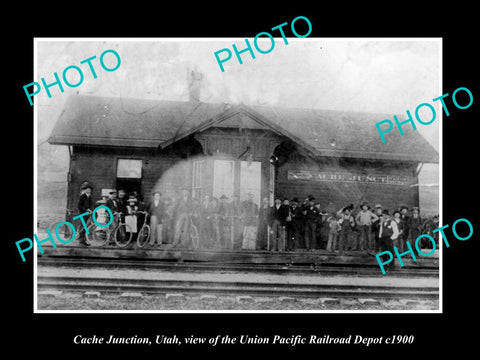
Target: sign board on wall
(348, 177)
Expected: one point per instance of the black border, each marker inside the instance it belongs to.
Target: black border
(52, 333)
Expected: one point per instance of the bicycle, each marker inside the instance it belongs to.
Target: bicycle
(98, 235)
(144, 234)
(122, 234)
(65, 229)
(186, 234)
(101, 236)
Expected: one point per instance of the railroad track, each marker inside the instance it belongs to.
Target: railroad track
(197, 278)
(109, 285)
(409, 272)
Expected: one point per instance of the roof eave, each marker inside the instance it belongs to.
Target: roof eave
(103, 142)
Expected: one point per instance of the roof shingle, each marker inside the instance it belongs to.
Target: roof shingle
(106, 121)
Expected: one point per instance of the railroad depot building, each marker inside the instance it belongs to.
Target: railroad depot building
(224, 149)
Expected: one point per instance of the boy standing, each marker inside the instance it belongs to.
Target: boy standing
(347, 223)
(333, 230)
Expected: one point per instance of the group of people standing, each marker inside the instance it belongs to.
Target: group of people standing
(131, 210)
(225, 223)
(294, 225)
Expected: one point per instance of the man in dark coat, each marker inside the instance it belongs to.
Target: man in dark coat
(122, 201)
(405, 221)
(206, 218)
(113, 204)
(312, 217)
(296, 225)
(263, 219)
(235, 217)
(376, 226)
(250, 223)
(112, 201)
(278, 217)
(156, 211)
(225, 229)
(415, 225)
(387, 233)
(183, 207)
(84, 205)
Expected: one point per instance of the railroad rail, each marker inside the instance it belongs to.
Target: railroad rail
(108, 285)
(287, 268)
(105, 276)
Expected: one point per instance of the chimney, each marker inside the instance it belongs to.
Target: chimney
(194, 79)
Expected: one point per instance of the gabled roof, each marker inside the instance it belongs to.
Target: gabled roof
(105, 121)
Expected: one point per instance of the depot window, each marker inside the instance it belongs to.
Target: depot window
(129, 168)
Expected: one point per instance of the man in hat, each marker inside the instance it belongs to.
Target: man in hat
(85, 204)
(415, 224)
(224, 227)
(321, 231)
(376, 226)
(206, 217)
(405, 219)
(112, 201)
(278, 217)
(181, 212)
(398, 238)
(113, 204)
(388, 232)
(235, 217)
(121, 201)
(156, 210)
(263, 223)
(312, 218)
(250, 213)
(131, 218)
(288, 224)
(365, 219)
(296, 226)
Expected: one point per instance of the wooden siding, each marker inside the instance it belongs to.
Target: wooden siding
(334, 194)
(173, 166)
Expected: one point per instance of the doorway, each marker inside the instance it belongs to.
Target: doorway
(129, 176)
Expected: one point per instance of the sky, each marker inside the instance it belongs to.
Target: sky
(370, 75)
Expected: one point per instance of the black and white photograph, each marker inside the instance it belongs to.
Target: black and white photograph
(276, 174)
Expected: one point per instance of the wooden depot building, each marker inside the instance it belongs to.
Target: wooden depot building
(225, 149)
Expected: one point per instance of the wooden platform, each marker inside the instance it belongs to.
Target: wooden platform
(317, 257)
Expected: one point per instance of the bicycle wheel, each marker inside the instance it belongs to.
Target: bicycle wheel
(97, 236)
(123, 235)
(194, 237)
(65, 232)
(143, 236)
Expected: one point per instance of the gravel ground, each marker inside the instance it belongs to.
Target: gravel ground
(78, 301)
